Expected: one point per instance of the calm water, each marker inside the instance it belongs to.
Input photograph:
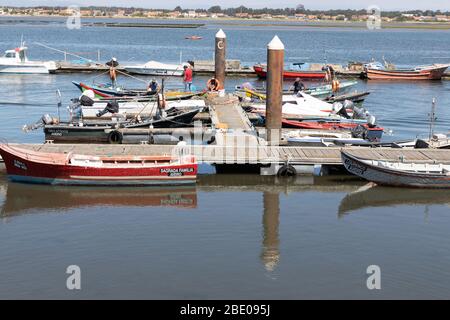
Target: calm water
(230, 236)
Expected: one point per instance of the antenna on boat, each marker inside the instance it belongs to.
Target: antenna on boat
(432, 118)
(59, 104)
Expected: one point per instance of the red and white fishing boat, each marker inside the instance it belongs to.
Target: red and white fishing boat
(431, 72)
(261, 71)
(23, 165)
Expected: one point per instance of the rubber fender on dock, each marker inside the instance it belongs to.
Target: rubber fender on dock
(287, 171)
(115, 137)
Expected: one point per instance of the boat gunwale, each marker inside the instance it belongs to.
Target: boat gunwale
(54, 158)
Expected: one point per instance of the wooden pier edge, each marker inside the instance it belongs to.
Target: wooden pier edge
(256, 155)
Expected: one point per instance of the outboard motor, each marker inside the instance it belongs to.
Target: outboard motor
(371, 122)
(348, 104)
(359, 132)
(86, 101)
(341, 110)
(46, 119)
(111, 107)
(337, 106)
(359, 113)
(87, 98)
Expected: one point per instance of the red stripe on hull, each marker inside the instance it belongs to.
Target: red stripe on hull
(101, 94)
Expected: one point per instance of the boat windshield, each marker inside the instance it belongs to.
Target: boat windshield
(9, 54)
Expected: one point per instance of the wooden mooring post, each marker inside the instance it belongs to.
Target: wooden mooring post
(220, 58)
(274, 90)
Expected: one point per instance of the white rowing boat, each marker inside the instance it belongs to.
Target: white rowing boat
(401, 173)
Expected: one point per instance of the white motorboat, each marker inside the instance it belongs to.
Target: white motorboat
(155, 68)
(16, 61)
(304, 105)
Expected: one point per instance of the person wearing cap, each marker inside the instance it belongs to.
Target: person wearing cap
(187, 78)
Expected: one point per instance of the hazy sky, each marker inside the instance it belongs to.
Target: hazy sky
(443, 5)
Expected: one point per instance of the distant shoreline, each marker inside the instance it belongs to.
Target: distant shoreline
(252, 22)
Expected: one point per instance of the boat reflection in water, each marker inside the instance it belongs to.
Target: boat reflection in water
(27, 198)
(370, 196)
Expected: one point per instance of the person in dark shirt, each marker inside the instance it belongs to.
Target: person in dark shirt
(298, 86)
(152, 87)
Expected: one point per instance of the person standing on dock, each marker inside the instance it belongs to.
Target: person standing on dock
(187, 78)
(113, 64)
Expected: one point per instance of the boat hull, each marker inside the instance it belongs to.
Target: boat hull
(144, 109)
(155, 72)
(108, 93)
(21, 168)
(24, 69)
(389, 177)
(426, 74)
(291, 74)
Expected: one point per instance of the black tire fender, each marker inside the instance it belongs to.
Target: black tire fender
(287, 171)
(115, 137)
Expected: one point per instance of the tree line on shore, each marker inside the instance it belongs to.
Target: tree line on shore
(236, 11)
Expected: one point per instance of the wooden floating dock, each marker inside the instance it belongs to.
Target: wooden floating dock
(201, 67)
(259, 155)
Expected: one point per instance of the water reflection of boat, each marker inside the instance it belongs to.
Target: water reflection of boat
(22, 198)
(386, 197)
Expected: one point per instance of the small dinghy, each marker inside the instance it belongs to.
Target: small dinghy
(400, 173)
(23, 165)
